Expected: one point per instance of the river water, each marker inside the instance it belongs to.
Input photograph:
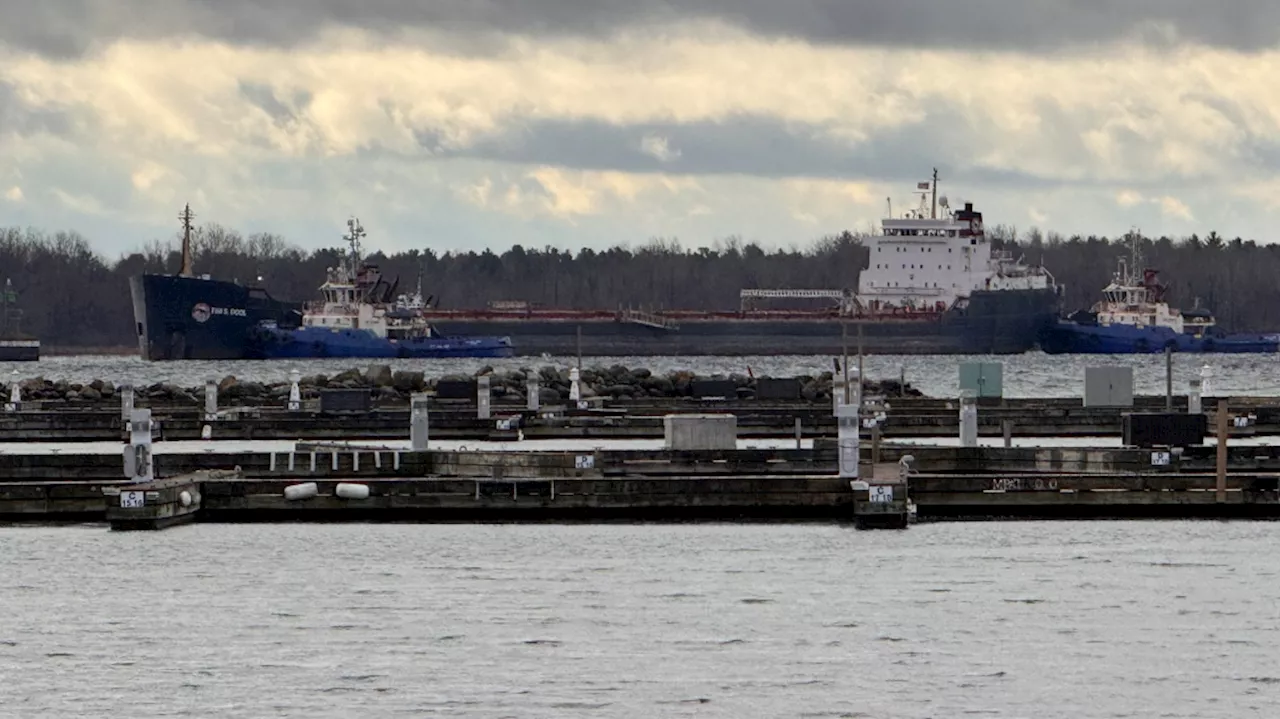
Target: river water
(1103, 619)
(1029, 375)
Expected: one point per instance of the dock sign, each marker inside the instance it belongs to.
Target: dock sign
(132, 500)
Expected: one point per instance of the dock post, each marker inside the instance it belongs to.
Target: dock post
(210, 400)
(1006, 428)
(483, 397)
(1193, 396)
(799, 432)
(15, 398)
(126, 402)
(1221, 433)
(968, 419)
(533, 399)
(295, 394)
(419, 422)
(575, 388)
(847, 439)
(1168, 379)
(137, 455)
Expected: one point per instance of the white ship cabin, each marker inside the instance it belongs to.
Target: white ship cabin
(344, 306)
(926, 261)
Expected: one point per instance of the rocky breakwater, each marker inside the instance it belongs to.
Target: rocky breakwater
(617, 383)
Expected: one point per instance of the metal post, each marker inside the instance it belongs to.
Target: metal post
(799, 432)
(847, 421)
(15, 398)
(126, 402)
(533, 399)
(579, 346)
(210, 399)
(419, 422)
(1222, 432)
(968, 419)
(1006, 427)
(483, 397)
(137, 455)
(1193, 396)
(575, 387)
(295, 393)
(844, 360)
(1168, 379)
(875, 443)
(861, 374)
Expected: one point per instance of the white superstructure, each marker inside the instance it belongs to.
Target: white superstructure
(1138, 301)
(926, 261)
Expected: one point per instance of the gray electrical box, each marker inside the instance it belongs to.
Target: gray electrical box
(983, 379)
(1108, 387)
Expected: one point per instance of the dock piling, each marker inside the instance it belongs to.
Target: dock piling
(1221, 432)
(15, 398)
(533, 400)
(137, 455)
(210, 400)
(419, 422)
(126, 402)
(968, 419)
(295, 394)
(484, 396)
(847, 427)
(1194, 396)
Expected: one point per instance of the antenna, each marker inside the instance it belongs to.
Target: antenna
(354, 232)
(934, 215)
(186, 217)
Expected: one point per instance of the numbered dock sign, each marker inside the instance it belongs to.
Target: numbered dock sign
(132, 500)
(881, 493)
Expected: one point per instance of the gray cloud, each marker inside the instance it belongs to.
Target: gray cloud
(70, 27)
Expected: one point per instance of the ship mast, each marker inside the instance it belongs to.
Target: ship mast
(354, 232)
(186, 217)
(934, 214)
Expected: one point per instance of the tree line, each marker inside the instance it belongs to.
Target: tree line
(72, 296)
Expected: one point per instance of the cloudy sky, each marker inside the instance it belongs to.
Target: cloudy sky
(465, 123)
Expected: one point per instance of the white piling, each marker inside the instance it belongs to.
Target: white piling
(532, 388)
(15, 398)
(483, 397)
(137, 454)
(295, 393)
(968, 420)
(126, 402)
(575, 385)
(419, 422)
(1205, 389)
(1194, 395)
(206, 432)
(210, 399)
(847, 422)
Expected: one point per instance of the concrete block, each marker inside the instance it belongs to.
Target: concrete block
(701, 431)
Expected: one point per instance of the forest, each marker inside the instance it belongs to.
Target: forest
(72, 297)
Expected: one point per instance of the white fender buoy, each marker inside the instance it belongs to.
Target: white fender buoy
(305, 490)
(184, 498)
(348, 490)
(206, 433)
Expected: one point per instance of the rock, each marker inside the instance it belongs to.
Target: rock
(409, 381)
(388, 394)
(548, 374)
(348, 378)
(89, 394)
(487, 369)
(227, 383)
(547, 395)
(379, 375)
(108, 390)
(641, 374)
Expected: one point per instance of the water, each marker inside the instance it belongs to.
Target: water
(1029, 375)
(1107, 619)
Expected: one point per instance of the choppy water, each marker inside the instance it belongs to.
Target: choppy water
(1117, 619)
(1029, 375)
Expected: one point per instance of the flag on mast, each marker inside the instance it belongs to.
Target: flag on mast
(922, 185)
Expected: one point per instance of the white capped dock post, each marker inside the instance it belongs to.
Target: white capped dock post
(533, 399)
(137, 455)
(15, 398)
(126, 402)
(1193, 396)
(210, 399)
(295, 394)
(1206, 389)
(847, 423)
(483, 397)
(575, 386)
(419, 422)
(968, 419)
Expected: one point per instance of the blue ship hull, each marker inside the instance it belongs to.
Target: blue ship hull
(1068, 337)
(320, 342)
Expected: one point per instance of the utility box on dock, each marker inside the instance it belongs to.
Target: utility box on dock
(984, 379)
(1108, 387)
(345, 400)
(1165, 429)
(701, 431)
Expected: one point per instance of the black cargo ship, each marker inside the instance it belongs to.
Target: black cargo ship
(934, 285)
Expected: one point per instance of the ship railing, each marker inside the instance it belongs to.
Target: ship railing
(648, 319)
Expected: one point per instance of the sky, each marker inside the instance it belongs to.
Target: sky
(464, 124)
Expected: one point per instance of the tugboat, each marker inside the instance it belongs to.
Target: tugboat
(358, 317)
(14, 345)
(1134, 318)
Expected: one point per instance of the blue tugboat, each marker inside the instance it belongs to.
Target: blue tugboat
(1134, 318)
(358, 318)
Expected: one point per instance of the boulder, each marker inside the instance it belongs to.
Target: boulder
(379, 375)
(409, 381)
(227, 383)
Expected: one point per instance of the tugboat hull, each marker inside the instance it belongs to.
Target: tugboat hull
(1072, 338)
(318, 342)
